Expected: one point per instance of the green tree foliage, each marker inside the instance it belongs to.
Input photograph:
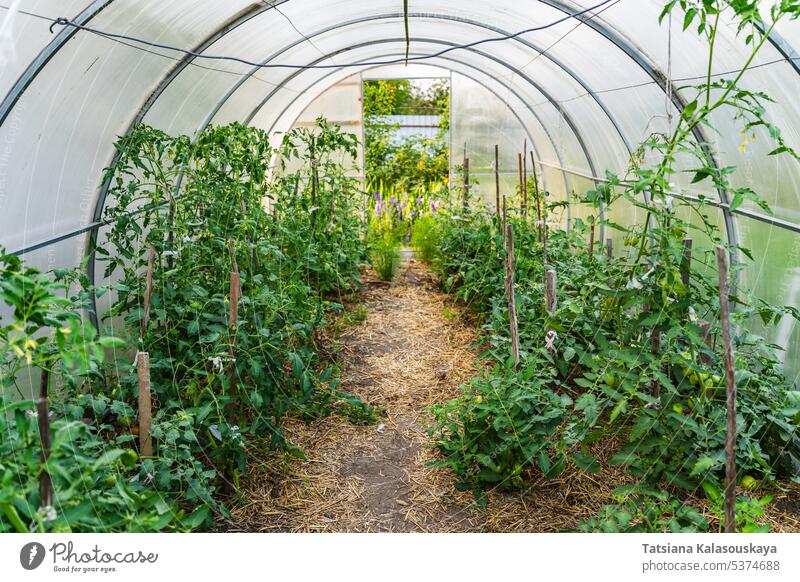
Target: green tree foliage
(412, 163)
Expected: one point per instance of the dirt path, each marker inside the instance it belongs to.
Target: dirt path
(412, 350)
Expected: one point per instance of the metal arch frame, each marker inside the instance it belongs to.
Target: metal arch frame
(564, 115)
(522, 75)
(645, 63)
(48, 52)
(492, 91)
(278, 87)
(569, 72)
(232, 23)
(235, 21)
(35, 67)
(784, 48)
(371, 18)
(235, 87)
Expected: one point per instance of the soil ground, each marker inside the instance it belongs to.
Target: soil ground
(413, 349)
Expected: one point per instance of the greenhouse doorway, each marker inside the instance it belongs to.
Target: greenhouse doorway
(406, 124)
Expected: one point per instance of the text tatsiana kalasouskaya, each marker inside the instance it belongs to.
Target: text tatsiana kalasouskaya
(701, 548)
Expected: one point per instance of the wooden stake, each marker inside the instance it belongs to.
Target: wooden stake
(536, 194)
(234, 264)
(148, 289)
(544, 243)
(551, 299)
(730, 381)
(466, 183)
(591, 242)
(497, 179)
(686, 262)
(43, 417)
(525, 179)
(609, 248)
(551, 304)
(145, 404)
(233, 306)
(512, 301)
(505, 222)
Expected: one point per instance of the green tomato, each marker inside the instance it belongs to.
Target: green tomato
(478, 399)
(749, 483)
(611, 380)
(129, 457)
(677, 408)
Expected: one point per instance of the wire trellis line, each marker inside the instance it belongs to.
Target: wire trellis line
(63, 21)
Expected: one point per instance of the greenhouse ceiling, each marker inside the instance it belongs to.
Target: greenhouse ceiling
(592, 78)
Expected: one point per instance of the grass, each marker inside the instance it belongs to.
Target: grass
(386, 257)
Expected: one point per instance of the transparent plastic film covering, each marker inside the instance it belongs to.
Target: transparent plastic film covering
(584, 86)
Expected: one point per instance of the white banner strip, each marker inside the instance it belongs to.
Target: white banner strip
(385, 557)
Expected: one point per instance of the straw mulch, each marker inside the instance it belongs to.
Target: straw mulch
(414, 350)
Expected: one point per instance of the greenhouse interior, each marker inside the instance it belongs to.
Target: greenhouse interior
(400, 266)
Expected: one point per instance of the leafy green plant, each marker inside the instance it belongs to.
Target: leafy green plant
(636, 351)
(195, 213)
(424, 238)
(646, 510)
(46, 332)
(503, 426)
(386, 258)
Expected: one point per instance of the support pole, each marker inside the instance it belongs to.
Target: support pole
(505, 222)
(521, 183)
(145, 404)
(550, 291)
(544, 243)
(43, 417)
(148, 290)
(551, 304)
(609, 248)
(497, 179)
(233, 306)
(466, 184)
(512, 301)
(730, 382)
(537, 199)
(525, 180)
(591, 242)
(686, 262)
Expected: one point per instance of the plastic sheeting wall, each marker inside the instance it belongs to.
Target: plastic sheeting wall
(586, 91)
